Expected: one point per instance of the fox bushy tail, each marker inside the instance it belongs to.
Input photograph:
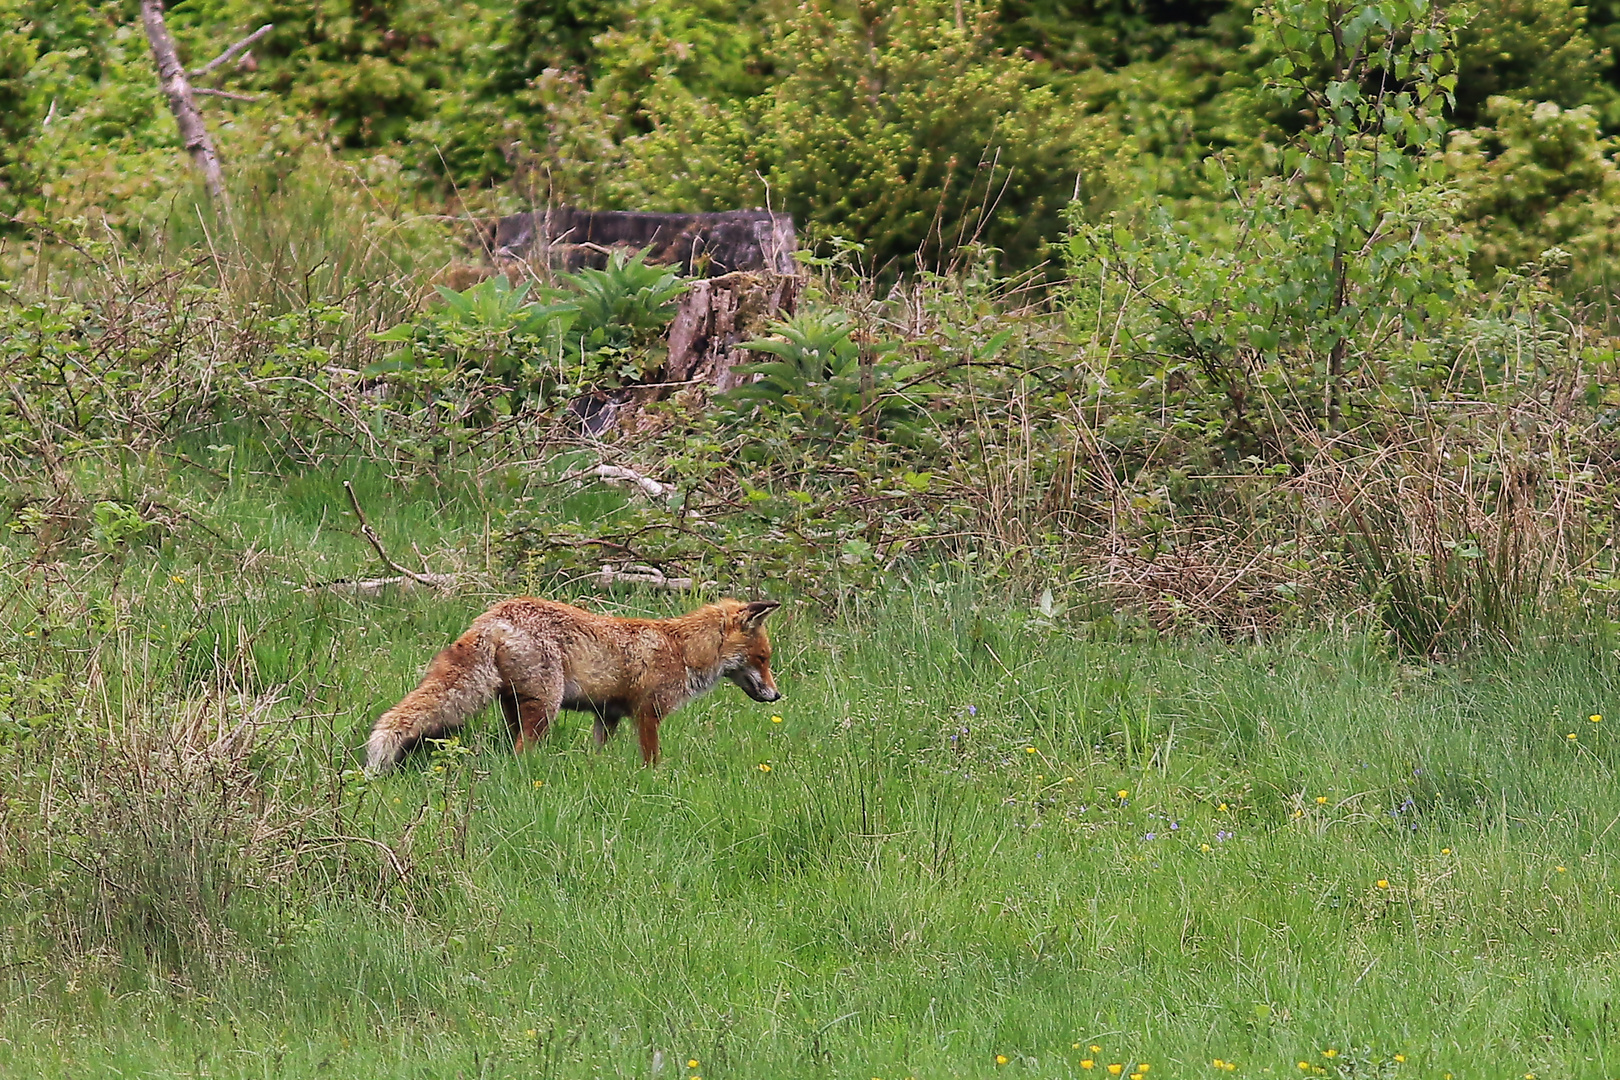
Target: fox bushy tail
(460, 681)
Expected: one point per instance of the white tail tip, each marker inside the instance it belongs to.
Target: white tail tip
(383, 751)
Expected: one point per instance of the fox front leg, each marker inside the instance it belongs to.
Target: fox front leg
(647, 721)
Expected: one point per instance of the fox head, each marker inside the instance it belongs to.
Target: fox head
(745, 649)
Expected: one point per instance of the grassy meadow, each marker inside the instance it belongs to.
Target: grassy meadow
(975, 838)
(1195, 526)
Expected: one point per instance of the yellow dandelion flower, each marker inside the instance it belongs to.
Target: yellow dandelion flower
(1221, 807)
(1123, 793)
(1560, 869)
(1142, 1066)
(1218, 1063)
(1088, 1064)
(1231, 1066)
(1445, 851)
(692, 1063)
(1596, 718)
(1205, 847)
(1001, 1059)
(1074, 1046)
(776, 719)
(1321, 800)
(764, 767)
(539, 783)
(1383, 883)
(1305, 1065)
(1399, 1058)
(178, 579)
(1029, 749)
(1571, 736)
(1299, 813)
(1136, 1076)
(1068, 779)
(1115, 1069)
(1330, 1053)
(1094, 1048)
(531, 1033)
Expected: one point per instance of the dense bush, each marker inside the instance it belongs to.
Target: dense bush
(1539, 178)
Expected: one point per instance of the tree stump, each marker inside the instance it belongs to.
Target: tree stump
(716, 315)
(702, 245)
(747, 279)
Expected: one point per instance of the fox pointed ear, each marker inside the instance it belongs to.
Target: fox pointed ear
(754, 612)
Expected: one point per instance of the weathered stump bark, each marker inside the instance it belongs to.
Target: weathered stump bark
(716, 315)
(703, 245)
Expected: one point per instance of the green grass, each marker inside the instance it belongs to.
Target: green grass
(938, 867)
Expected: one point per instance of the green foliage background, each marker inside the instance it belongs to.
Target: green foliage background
(913, 128)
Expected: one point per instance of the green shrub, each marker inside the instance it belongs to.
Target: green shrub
(896, 124)
(1540, 177)
(599, 330)
(824, 382)
(1532, 50)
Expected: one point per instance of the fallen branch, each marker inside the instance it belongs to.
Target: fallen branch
(225, 56)
(439, 581)
(637, 574)
(363, 586)
(619, 474)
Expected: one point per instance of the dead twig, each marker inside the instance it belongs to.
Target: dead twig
(172, 78)
(224, 94)
(225, 57)
(440, 581)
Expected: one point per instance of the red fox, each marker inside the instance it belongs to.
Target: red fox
(539, 656)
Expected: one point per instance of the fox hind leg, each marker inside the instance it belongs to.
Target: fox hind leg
(531, 692)
(509, 709)
(605, 726)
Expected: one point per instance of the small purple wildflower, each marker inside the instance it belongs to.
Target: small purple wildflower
(1223, 836)
(1151, 836)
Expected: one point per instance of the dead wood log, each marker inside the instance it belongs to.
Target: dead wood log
(747, 276)
(177, 88)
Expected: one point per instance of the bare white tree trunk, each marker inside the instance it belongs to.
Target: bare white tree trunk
(176, 87)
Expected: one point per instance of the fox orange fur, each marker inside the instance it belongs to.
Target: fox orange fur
(538, 656)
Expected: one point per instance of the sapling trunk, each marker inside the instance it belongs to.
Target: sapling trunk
(177, 88)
